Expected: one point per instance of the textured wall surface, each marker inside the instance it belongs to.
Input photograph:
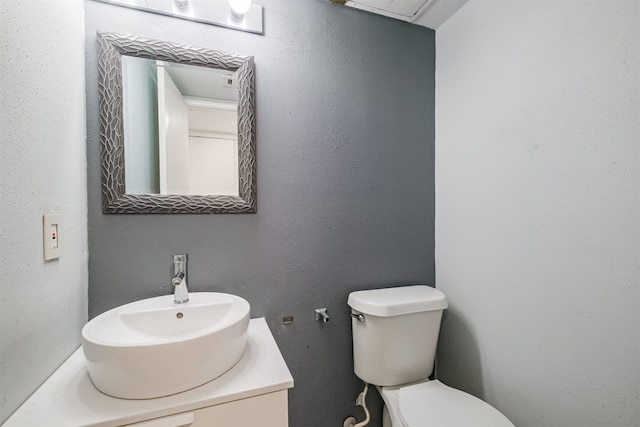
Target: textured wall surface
(538, 201)
(345, 140)
(43, 304)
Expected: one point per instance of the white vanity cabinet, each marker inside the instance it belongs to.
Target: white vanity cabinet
(267, 410)
(252, 393)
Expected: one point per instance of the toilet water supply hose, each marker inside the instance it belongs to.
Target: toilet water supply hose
(360, 401)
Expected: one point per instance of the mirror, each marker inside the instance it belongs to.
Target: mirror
(177, 128)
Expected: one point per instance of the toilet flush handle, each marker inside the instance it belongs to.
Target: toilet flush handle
(358, 316)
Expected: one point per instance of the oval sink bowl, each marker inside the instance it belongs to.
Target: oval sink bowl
(155, 347)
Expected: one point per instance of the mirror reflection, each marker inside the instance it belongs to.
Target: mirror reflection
(180, 128)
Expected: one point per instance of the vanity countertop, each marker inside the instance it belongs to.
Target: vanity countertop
(68, 398)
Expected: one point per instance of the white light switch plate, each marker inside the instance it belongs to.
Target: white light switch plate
(51, 235)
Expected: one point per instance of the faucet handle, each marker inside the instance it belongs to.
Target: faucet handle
(180, 263)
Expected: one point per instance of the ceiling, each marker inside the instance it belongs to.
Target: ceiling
(427, 13)
(203, 82)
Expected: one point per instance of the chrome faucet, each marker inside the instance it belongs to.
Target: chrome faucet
(180, 291)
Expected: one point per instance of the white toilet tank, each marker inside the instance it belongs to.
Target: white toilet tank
(395, 339)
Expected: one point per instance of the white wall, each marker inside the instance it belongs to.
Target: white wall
(43, 305)
(140, 110)
(538, 208)
(213, 166)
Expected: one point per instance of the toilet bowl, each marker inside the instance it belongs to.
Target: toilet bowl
(432, 403)
(395, 334)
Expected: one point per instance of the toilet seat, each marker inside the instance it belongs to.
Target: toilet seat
(432, 403)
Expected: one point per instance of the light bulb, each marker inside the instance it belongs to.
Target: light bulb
(239, 8)
(182, 4)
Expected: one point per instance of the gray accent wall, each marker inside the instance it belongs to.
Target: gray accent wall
(345, 143)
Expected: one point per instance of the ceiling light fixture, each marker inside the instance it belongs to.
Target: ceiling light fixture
(243, 15)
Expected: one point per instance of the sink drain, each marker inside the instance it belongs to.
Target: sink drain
(179, 315)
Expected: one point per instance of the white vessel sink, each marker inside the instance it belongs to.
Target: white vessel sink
(155, 347)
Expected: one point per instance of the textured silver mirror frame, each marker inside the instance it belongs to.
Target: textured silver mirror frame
(111, 47)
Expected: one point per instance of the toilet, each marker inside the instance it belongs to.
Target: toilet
(395, 334)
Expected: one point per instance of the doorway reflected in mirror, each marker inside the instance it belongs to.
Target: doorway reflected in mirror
(180, 128)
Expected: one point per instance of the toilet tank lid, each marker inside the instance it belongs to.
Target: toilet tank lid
(397, 301)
